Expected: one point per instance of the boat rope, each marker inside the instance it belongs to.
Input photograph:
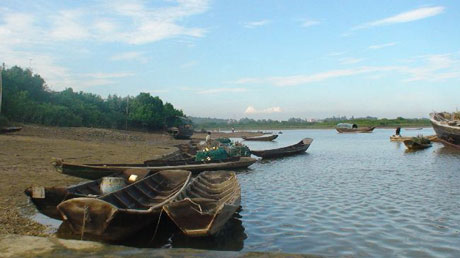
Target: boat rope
(156, 227)
(85, 214)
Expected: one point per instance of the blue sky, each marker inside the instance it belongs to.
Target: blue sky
(257, 59)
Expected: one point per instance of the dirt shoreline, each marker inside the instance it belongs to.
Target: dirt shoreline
(25, 160)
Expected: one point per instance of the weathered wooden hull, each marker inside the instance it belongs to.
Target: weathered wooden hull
(297, 148)
(206, 205)
(120, 214)
(355, 130)
(47, 202)
(261, 138)
(394, 138)
(411, 145)
(95, 171)
(448, 135)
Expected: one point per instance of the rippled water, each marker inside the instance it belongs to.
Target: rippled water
(353, 194)
(350, 194)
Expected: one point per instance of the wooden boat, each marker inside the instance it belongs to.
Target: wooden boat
(299, 147)
(95, 171)
(418, 128)
(207, 203)
(353, 128)
(182, 131)
(46, 199)
(395, 138)
(267, 138)
(447, 130)
(10, 129)
(414, 145)
(122, 213)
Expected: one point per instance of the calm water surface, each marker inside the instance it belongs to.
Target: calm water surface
(350, 194)
(353, 194)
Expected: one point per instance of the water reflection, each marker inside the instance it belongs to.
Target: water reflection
(230, 238)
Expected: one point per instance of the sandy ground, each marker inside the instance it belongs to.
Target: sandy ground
(25, 160)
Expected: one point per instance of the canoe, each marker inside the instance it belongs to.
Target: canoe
(412, 145)
(299, 147)
(418, 128)
(261, 138)
(10, 129)
(207, 203)
(46, 199)
(395, 138)
(122, 213)
(355, 130)
(95, 171)
(447, 130)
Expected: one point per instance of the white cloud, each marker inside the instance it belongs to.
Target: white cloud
(109, 75)
(67, 26)
(255, 24)
(350, 60)
(382, 45)
(413, 15)
(434, 68)
(337, 53)
(222, 90)
(251, 110)
(309, 23)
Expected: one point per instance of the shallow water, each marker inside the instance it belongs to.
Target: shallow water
(354, 194)
(350, 194)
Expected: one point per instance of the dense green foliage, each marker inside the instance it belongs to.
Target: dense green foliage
(294, 123)
(26, 98)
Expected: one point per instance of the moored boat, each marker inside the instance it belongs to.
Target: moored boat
(447, 129)
(417, 128)
(417, 145)
(122, 213)
(299, 147)
(207, 203)
(95, 171)
(46, 199)
(352, 128)
(270, 137)
(395, 138)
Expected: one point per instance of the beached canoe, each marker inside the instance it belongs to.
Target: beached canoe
(395, 138)
(95, 171)
(299, 147)
(207, 203)
(414, 145)
(10, 129)
(122, 213)
(261, 138)
(46, 199)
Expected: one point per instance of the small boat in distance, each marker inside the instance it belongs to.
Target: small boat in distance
(122, 213)
(395, 138)
(266, 138)
(447, 128)
(207, 203)
(417, 143)
(418, 128)
(299, 147)
(352, 128)
(182, 131)
(10, 129)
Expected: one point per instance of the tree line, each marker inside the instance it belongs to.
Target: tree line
(27, 99)
(298, 123)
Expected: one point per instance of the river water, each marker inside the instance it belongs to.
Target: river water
(350, 194)
(353, 194)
